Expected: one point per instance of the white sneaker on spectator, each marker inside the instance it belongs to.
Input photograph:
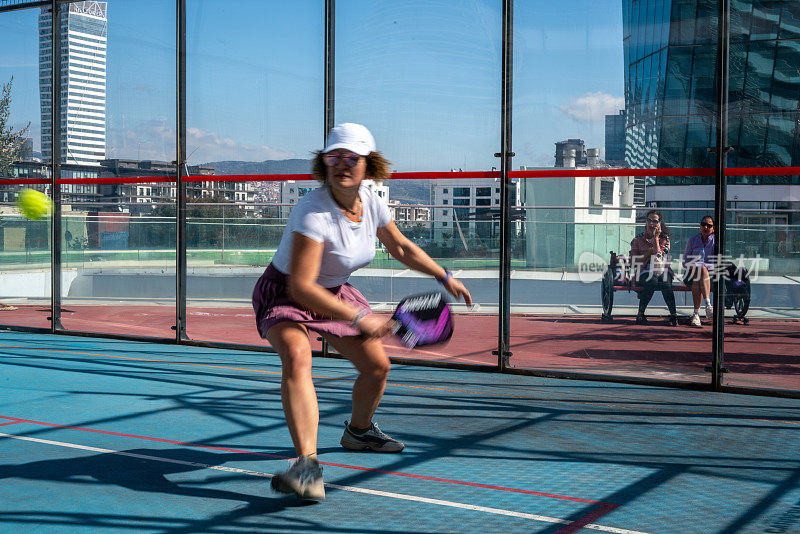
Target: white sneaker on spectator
(709, 311)
(695, 319)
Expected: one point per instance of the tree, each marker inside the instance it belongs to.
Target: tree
(10, 141)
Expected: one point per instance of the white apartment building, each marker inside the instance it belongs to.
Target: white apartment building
(570, 219)
(292, 190)
(409, 214)
(244, 194)
(480, 215)
(83, 82)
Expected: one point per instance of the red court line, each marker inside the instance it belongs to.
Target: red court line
(603, 505)
(146, 438)
(426, 175)
(11, 423)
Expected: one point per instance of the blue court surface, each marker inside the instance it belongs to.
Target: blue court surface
(103, 436)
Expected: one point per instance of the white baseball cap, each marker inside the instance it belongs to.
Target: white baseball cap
(350, 136)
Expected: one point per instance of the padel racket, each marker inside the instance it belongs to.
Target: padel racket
(423, 319)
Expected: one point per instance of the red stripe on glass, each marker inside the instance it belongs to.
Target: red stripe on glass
(540, 173)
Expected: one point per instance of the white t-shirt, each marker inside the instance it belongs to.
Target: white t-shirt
(348, 245)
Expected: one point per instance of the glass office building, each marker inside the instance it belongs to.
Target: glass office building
(670, 51)
(615, 138)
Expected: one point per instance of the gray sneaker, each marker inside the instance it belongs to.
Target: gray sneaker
(304, 479)
(372, 438)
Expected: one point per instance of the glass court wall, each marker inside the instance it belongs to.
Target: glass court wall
(118, 139)
(422, 76)
(254, 108)
(762, 210)
(649, 67)
(609, 113)
(25, 251)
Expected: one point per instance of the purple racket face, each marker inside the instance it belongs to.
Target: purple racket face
(423, 320)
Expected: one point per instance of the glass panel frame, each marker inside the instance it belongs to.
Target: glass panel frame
(25, 244)
(256, 150)
(118, 247)
(433, 105)
(762, 228)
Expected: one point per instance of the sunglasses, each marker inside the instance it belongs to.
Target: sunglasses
(331, 159)
(654, 221)
(706, 225)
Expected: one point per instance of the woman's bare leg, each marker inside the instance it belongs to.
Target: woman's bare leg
(297, 387)
(705, 281)
(369, 358)
(696, 290)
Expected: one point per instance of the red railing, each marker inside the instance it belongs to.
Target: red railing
(539, 173)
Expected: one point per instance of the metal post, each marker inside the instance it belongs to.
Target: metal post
(55, 167)
(504, 329)
(329, 90)
(330, 71)
(720, 194)
(180, 166)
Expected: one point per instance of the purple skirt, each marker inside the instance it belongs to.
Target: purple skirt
(272, 305)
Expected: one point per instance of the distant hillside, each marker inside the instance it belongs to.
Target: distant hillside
(282, 166)
(410, 191)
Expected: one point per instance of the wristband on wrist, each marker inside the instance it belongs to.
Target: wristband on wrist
(447, 276)
(358, 317)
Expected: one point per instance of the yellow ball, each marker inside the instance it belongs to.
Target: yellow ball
(33, 204)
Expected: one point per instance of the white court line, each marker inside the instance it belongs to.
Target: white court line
(353, 489)
(142, 456)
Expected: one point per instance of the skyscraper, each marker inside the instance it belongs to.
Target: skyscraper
(83, 82)
(670, 49)
(615, 138)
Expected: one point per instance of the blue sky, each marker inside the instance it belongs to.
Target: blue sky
(423, 75)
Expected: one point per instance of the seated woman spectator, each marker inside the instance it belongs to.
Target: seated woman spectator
(650, 266)
(699, 261)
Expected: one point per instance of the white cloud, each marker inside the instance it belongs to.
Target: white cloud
(151, 140)
(593, 107)
(155, 140)
(210, 146)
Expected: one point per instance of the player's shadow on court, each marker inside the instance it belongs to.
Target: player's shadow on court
(130, 470)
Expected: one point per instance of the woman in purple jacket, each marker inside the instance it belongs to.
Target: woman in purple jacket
(699, 261)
